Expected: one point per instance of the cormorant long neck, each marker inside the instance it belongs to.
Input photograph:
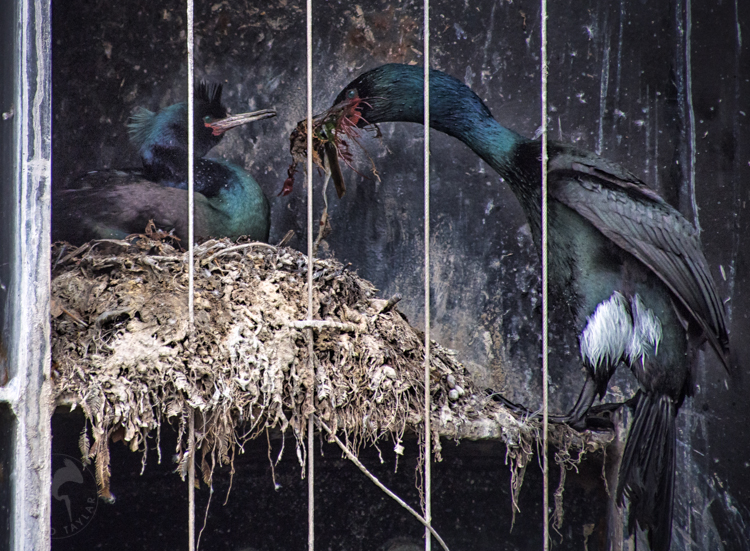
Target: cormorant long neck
(515, 158)
(394, 93)
(519, 165)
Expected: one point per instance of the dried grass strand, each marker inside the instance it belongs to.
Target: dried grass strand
(353, 458)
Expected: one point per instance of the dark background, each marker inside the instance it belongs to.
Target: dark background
(470, 499)
(661, 87)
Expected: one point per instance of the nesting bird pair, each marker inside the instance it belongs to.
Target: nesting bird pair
(627, 273)
(116, 203)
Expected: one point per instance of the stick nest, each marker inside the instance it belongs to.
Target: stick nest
(123, 351)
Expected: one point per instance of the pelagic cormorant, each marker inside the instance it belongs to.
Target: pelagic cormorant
(116, 203)
(626, 270)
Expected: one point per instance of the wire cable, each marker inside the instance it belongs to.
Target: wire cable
(191, 481)
(545, 290)
(191, 274)
(191, 175)
(427, 408)
(310, 262)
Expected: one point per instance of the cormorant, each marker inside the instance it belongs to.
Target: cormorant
(626, 270)
(116, 203)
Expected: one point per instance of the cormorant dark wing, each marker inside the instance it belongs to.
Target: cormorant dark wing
(635, 218)
(106, 177)
(114, 204)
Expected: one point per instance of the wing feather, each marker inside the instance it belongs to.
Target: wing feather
(639, 221)
(109, 204)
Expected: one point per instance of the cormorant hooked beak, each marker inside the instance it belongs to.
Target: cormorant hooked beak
(222, 125)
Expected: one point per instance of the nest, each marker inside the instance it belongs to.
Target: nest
(123, 350)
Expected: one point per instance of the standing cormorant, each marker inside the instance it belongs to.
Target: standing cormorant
(626, 270)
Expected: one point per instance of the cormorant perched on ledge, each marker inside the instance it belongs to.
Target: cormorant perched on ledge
(626, 270)
(116, 203)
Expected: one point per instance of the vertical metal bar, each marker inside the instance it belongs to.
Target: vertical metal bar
(191, 252)
(545, 289)
(310, 483)
(310, 264)
(427, 394)
(29, 392)
(309, 165)
(191, 175)
(191, 481)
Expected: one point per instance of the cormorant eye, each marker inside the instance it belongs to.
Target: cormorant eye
(208, 119)
(351, 94)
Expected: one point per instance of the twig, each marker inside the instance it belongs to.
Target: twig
(395, 299)
(324, 216)
(210, 495)
(324, 324)
(270, 461)
(59, 256)
(231, 477)
(353, 458)
(120, 242)
(239, 247)
(75, 253)
(75, 317)
(160, 258)
(286, 239)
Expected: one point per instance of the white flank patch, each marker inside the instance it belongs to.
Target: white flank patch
(647, 333)
(608, 333)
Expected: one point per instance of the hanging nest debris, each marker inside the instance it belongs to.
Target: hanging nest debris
(123, 351)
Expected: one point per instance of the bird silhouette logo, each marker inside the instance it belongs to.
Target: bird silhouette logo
(68, 473)
(74, 486)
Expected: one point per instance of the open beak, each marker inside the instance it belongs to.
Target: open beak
(221, 126)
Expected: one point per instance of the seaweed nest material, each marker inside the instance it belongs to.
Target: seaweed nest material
(123, 350)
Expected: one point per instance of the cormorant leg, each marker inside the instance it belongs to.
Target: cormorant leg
(581, 417)
(576, 418)
(600, 417)
(516, 408)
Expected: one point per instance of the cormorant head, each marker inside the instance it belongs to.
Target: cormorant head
(208, 109)
(166, 130)
(162, 137)
(211, 115)
(394, 92)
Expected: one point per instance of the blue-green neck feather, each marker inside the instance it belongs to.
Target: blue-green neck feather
(238, 206)
(394, 92)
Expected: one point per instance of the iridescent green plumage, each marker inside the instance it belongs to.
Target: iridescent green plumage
(116, 203)
(609, 235)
